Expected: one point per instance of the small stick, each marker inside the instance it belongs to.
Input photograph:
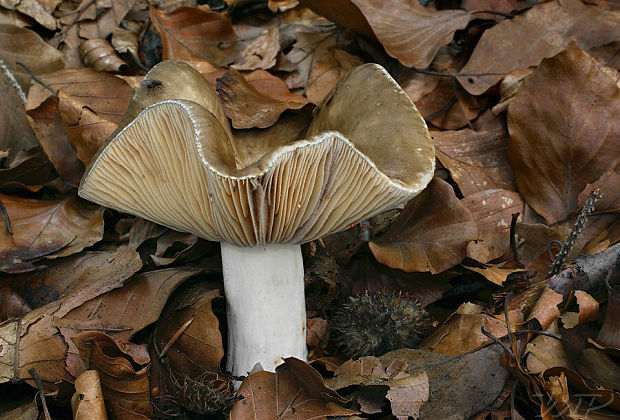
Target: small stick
(513, 239)
(175, 337)
(35, 78)
(441, 111)
(37, 380)
(7, 220)
(567, 246)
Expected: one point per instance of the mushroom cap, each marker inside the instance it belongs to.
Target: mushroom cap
(174, 161)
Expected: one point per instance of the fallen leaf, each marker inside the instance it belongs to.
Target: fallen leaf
(12, 305)
(545, 352)
(125, 388)
(51, 229)
(35, 9)
(492, 210)
(477, 160)
(25, 46)
(309, 48)
(181, 243)
(261, 53)
(199, 348)
(605, 398)
(461, 332)
(35, 342)
(407, 395)
(500, 6)
(546, 308)
(28, 410)
(29, 168)
(409, 31)
(125, 41)
(108, 16)
(295, 391)
(281, 5)
(104, 94)
(609, 187)
(342, 12)
(99, 54)
(546, 29)
(318, 332)
(247, 108)
(50, 130)
(327, 71)
(563, 131)
(497, 275)
(599, 368)
(608, 336)
(449, 106)
(425, 237)
(87, 402)
(16, 135)
(190, 33)
(84, 128)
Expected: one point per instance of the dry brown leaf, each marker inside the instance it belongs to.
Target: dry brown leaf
(247, 107)
(609, 187)
(51, 229)
(309, 48)
(600, 398)
(497, 275)
(12, 305)
(545, 352)
(501, 6)
(199, 348)
(588, 307)
(407, 395)
(281, 5)
(28, 409)
(600, 368)
(39, 10)
(563, 132)
(477, 160)
(13, 17)
(50, 130)
(430, 234)
(608, 336)
(84, 128)
(318, 332)
(125, 41)
(295, 392)
(461, 334)
(16, 135)
(30, 170)
(327, 71)
(184, 241)
(546, 308)
(103, 93)
(195, 33)
(409, 31)
(546, 29)
(25, 46)
(109, 14)
(260, 53)
(125, 388)
(87, 402)
(99, 54)
(449, 106)
(342, 12)
(492, 210)
(41, 345)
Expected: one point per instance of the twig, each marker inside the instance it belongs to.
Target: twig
(7, 72)
(7, 220)
(545, 333)
(513, 239)
(37, 380)
(494, 12)
(588, 208)
(436, 73)
(442, 110)
(497, 341)
(35, 78)
(175, 337)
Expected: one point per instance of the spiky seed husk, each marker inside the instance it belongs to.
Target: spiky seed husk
(374, 324)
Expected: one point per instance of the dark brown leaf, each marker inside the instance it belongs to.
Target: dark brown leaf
(12, 305)
(546, 29)
(125, 388)
(409, 31)
(563, 131)
(295, 392)
(247, 107)
(431, 233)
(477, 160)
(49, 229)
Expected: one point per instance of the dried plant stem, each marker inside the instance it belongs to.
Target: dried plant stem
(567, 246)
(35, 78)
(513, 240)
(7, 220)
(39, 383)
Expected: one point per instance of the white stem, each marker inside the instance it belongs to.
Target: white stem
(266, 310)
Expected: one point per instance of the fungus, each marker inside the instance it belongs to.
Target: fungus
(173, 160)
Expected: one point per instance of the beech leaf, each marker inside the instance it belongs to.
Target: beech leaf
(431, 233)
(564, 132)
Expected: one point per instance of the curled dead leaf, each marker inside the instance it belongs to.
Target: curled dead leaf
(99, 54)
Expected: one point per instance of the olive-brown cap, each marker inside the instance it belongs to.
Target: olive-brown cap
(173, 160)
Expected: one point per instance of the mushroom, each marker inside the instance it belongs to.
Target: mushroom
(173, 160)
